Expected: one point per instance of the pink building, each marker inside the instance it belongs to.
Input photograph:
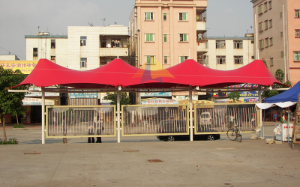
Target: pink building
(167, 31)
(277, 36)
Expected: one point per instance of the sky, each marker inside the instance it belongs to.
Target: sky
(26, 17)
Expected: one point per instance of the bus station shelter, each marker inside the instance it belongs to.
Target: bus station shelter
(118, 76)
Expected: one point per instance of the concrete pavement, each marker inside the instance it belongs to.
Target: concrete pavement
(184, 163)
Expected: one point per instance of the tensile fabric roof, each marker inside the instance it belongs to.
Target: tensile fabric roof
(119, 73)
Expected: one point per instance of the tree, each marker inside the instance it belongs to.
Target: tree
(10, 102)
(234, 96)
(124, 99)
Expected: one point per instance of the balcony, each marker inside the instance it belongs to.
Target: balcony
(201, 36)
(115, 51)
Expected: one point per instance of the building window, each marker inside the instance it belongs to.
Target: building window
(271, 41)
(52, 44)
(165, 59)
(282, 54)
(149, 37)
(252, 57)
(280, 14)
(220, 44)
(260, 27)
(103, 43)
(150, 59)
(182, 16)
(221, 60)
(297, 56)
(35, 52)
(238, 59)
(183, 58)
(297, 13)
(266, 25)
(252, 41)
(165, 16)
(281, 34)
(270, 5)
(82, 40)
(238, 44)
(165, 38)
(271, 61)
(270, 23)
(183, 37)
(266, 42)
(53, 59)
(260, 10)
(149, 16)
(297, 33)
(266, 6)
(83, 62)
(261, 44)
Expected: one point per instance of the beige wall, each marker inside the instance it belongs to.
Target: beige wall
(173, 49)
(293, 42)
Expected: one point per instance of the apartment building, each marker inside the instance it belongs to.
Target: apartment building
(166, 31)
(228, 53)
(277, 35)
(84, 48)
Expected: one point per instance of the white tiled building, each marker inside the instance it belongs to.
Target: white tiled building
(227, 53)
(85, 47)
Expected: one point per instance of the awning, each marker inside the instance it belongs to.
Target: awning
(269, 105)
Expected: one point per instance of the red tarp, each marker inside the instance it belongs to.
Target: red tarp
(119, 73)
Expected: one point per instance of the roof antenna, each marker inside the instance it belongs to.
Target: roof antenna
(104, 22)
(91, 24)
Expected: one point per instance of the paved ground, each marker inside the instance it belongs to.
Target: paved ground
(184, 163)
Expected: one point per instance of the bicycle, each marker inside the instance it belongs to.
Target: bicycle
(234, 133)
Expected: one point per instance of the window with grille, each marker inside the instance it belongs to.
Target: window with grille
(238, 59)
(150, 59)
(183, 16)
(297, 56)
(149, 16)
(270, 23)
(260, 9)
(266, 25)
(183, 58)
(267, 42)
(297, 33)
(83, 62)
(149, 37)
(82, 40)
(183, 37)
(271, 41)
(261, 44)
(297, 13)
(271, 61)
(266, 6)
(238, 44)
(270, 5)
(221, 60)
(220, 44)
(260, 27)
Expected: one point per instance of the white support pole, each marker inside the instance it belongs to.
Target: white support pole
(118, 115)
(191, 117)
(43, 116)
(260, 113)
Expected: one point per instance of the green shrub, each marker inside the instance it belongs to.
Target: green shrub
(10, 141)
(18, 126)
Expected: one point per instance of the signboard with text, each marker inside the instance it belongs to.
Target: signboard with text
(25, 67)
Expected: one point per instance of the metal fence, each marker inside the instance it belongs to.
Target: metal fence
(80, 121)
(216, 118)
(154, 120)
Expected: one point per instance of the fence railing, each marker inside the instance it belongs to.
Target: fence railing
(144, 120)
(217, 118)
(80, 121)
